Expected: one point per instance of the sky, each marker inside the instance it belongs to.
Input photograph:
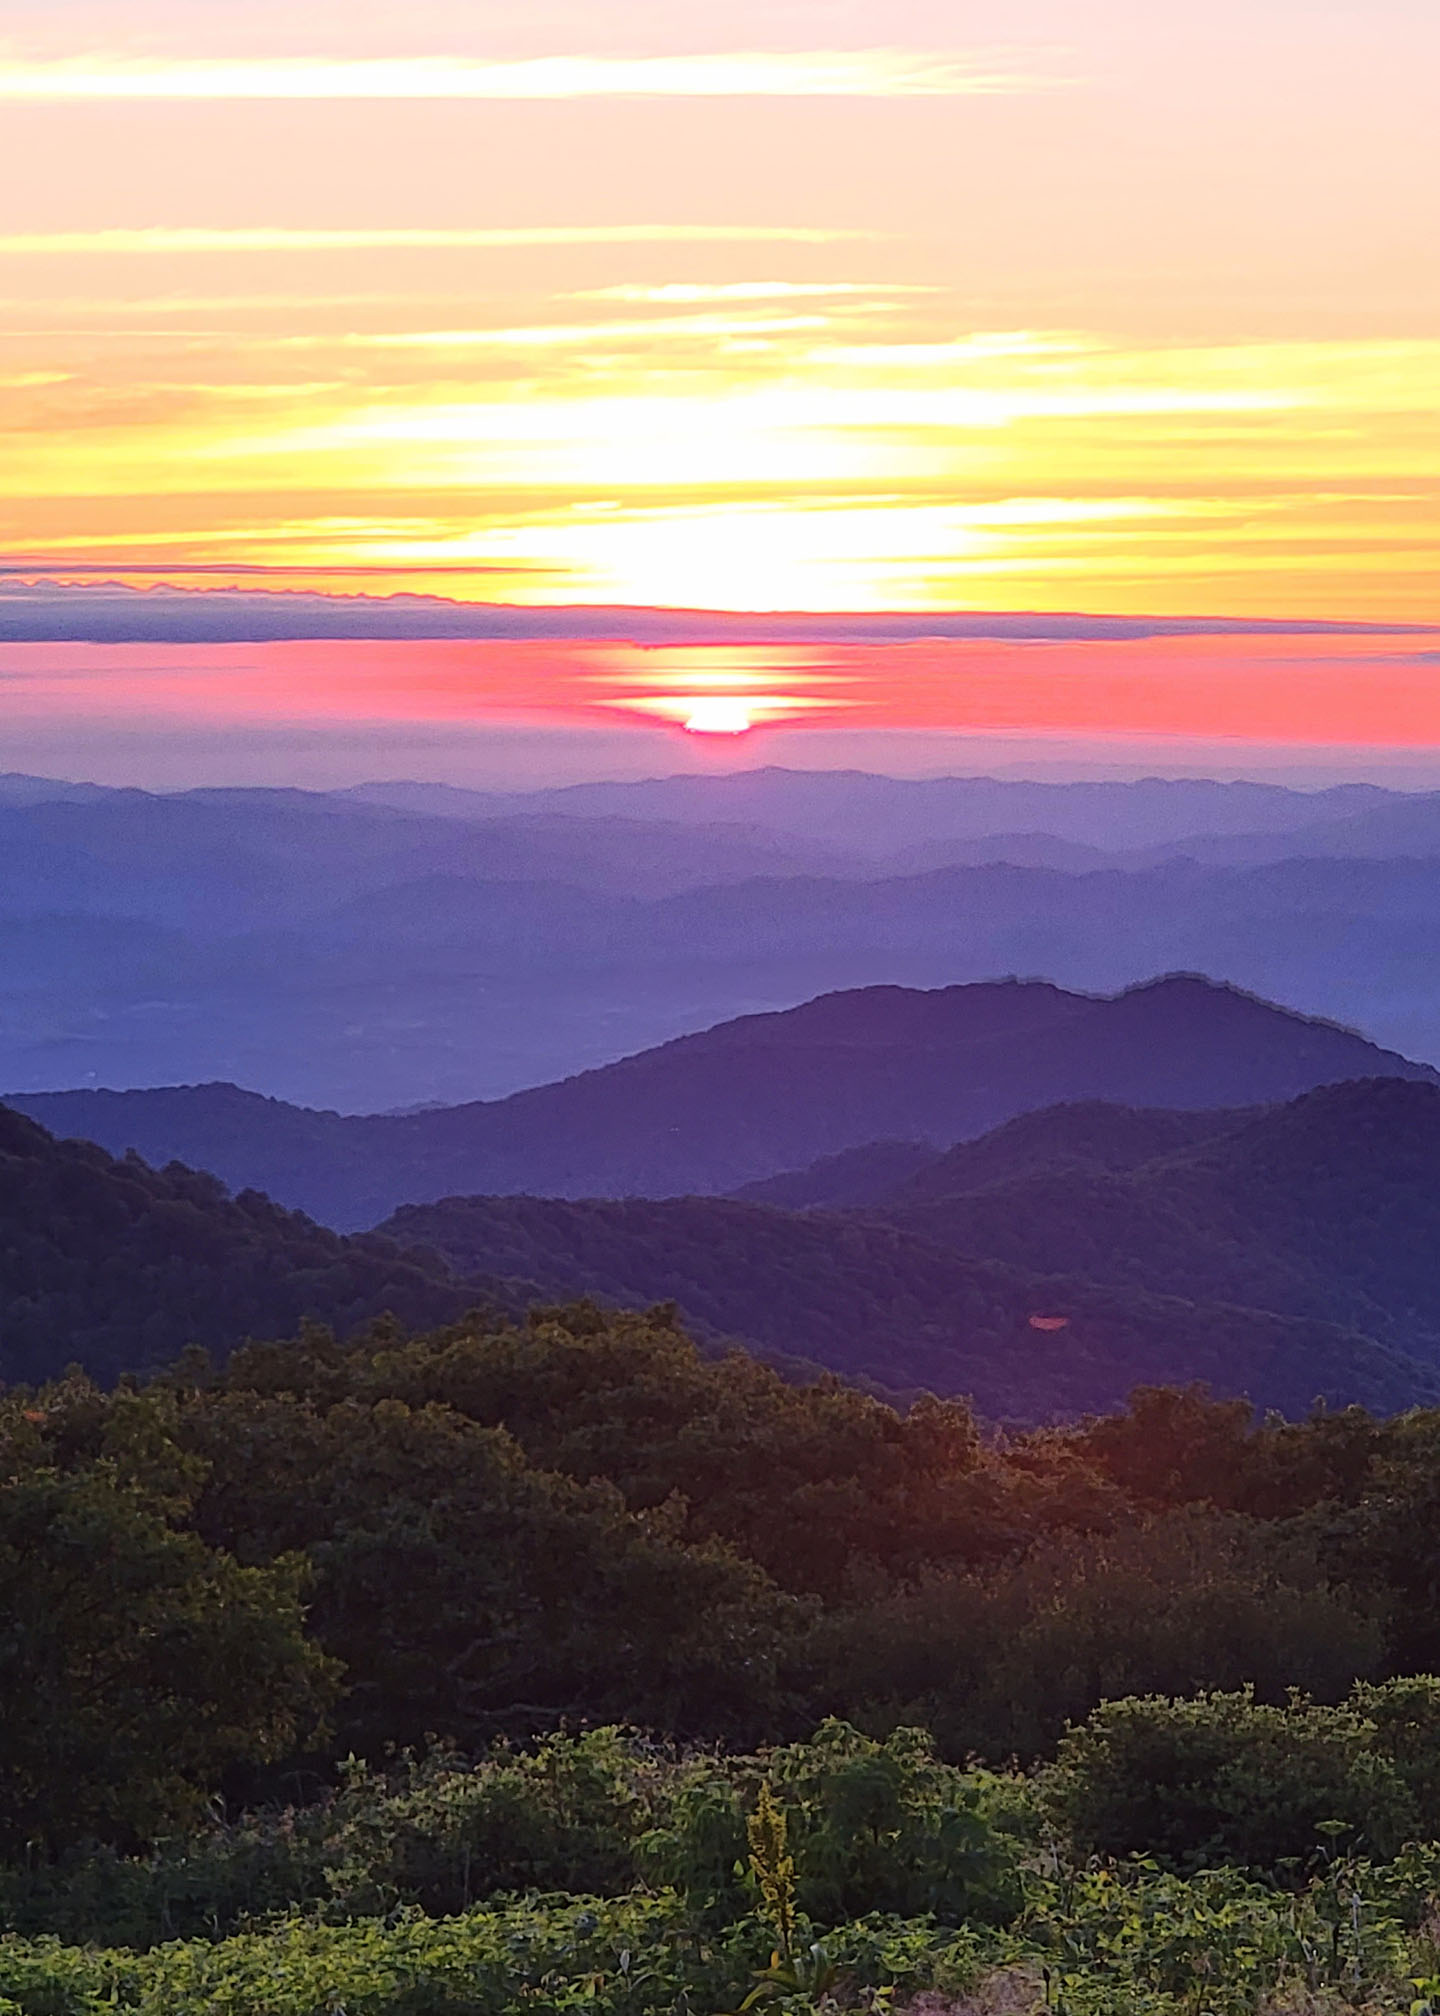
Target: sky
(834, 306)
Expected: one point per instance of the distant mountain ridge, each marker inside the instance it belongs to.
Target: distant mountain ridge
(1055, 1261)
(408, 944)
(752, 1098)
(854, 808)
(1285, 1252)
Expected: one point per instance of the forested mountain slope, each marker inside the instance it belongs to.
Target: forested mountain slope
(118, 1267)
(1090, 1133)
(1085, 1133)
(1328, 1206)
(870, 1301)
(751, 1098)
(869, 1174)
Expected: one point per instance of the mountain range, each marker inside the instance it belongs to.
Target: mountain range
(878, 1304)
(1176, 1183)
(1287, 1253)
(119, 1267)
(857, 811)
(749, 1099)
(1328, 1206)
(405, 944)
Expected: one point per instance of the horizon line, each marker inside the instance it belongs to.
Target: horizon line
(37, 605)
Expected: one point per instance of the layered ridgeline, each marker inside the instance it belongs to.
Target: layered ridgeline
(1036, 1266)
(118, 1267)
(115, 1266)
(405, 945)
(878, 1304)
(1330, 1204)
(749, 1099)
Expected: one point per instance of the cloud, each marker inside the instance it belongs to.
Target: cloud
(568, 335)
(828, 73)
(43, 611)
(167, 241)
(679, 292)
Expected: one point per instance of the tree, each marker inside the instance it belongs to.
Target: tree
(136, 1663)
(468, 1593)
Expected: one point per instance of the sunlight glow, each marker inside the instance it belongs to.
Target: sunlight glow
(718, 717)
(836, 306)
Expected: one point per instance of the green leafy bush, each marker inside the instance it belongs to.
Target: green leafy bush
(874, 1826)
(997, 1664)
(887, 1827)
(1224, 1778)
(1098, 1940)
(435, 1835)
(626, 1958)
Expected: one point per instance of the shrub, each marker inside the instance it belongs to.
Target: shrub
(873, 1827)
(998, 1665)
(1224, 1778)
(886, 1827)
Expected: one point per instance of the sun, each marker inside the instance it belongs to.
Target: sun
(718, 716)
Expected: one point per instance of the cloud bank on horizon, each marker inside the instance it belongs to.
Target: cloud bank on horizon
(34, 610)
(819, 305)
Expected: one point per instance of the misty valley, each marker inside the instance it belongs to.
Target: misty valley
(394, 946)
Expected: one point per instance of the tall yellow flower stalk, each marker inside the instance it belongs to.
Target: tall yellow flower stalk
(773, 1869)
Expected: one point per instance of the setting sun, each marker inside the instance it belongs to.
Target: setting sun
(716, 716)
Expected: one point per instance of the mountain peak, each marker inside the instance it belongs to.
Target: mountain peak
(754, 1098)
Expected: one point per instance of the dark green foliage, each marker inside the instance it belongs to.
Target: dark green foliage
(1090, 1942)
(512, 1537)
(628, 1957)
(475, 1592)
(435, 1835)
(1225, 1778)
(118, 1266)
(886, 1827)
(467, 1592)
(821, 1484)
(997, 1663)
(136, 1663)
(504, 1530)
(1086, 1938)
(871, 1826)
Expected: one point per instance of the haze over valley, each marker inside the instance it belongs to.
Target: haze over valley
(402, 945)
